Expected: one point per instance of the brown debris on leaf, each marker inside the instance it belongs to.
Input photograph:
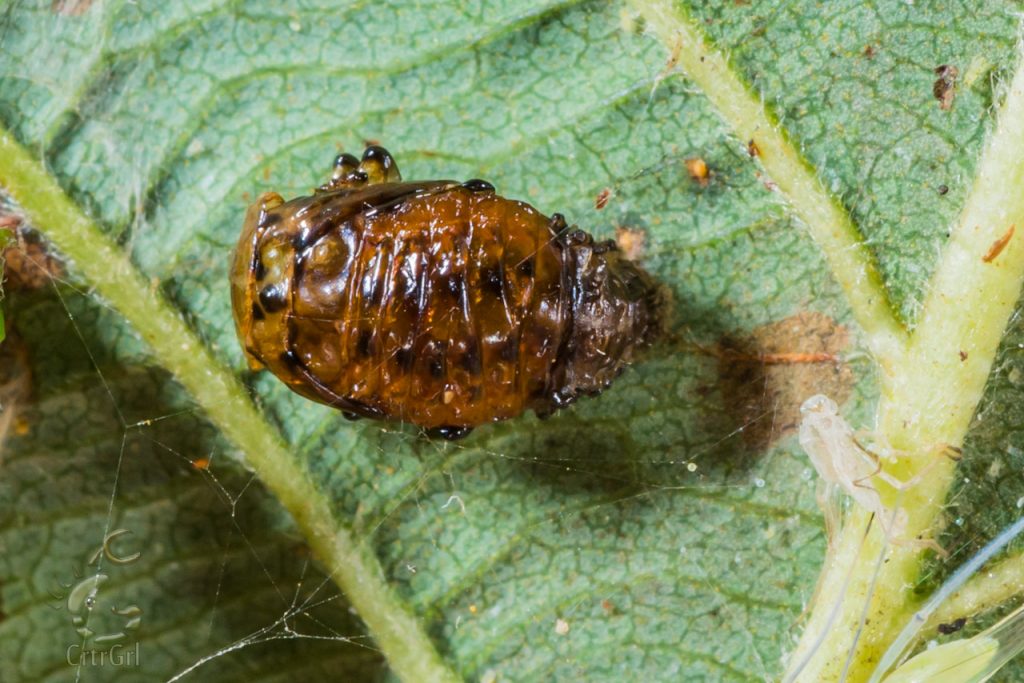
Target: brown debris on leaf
(952, 626)
(15, 386)
(630, 242)
(27, 264)
(698, 170)
(766, 376)
(997, 247)
(71, 8)
(944, 88)
(602, 198)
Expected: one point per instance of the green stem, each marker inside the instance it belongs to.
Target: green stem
(826, 220)
(350, 562)
(989, 589)
(932, 382)
(930, 400)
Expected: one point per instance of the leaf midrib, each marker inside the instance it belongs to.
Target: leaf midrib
(957, 310)
(352, 565)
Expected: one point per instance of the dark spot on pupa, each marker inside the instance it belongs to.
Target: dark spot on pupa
(257, 312)
(477, 185)
(259, 271)
(364, 343)
(436, 352)
(405, 357)
(538, 389)
(291, 360)
(269, 219)
(490, 280)
(470, 360)
(272, 298)
(525, 267)
(509, 351)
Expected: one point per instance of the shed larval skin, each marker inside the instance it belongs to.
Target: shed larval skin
(437, 303)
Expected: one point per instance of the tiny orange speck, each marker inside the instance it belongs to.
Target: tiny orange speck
(998, 246)
(698, 170)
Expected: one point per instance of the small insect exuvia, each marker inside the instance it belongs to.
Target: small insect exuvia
(437, 303)
(845, 465)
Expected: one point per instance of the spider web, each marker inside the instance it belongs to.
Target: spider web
(615, 536)
(129, 403)
(301, 609)
(148, 420)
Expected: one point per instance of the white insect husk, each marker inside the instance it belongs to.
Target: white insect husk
(842, 462)
(845, 465)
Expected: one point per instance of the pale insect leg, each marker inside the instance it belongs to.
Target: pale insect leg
(935, 457)
(895, 525)
(843, 462)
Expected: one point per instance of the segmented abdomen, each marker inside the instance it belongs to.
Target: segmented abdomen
(445, 306)
(444, 310)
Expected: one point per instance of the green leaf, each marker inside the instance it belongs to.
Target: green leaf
(666, 529)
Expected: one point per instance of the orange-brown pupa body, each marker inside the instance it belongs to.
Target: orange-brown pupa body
(438, 303)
